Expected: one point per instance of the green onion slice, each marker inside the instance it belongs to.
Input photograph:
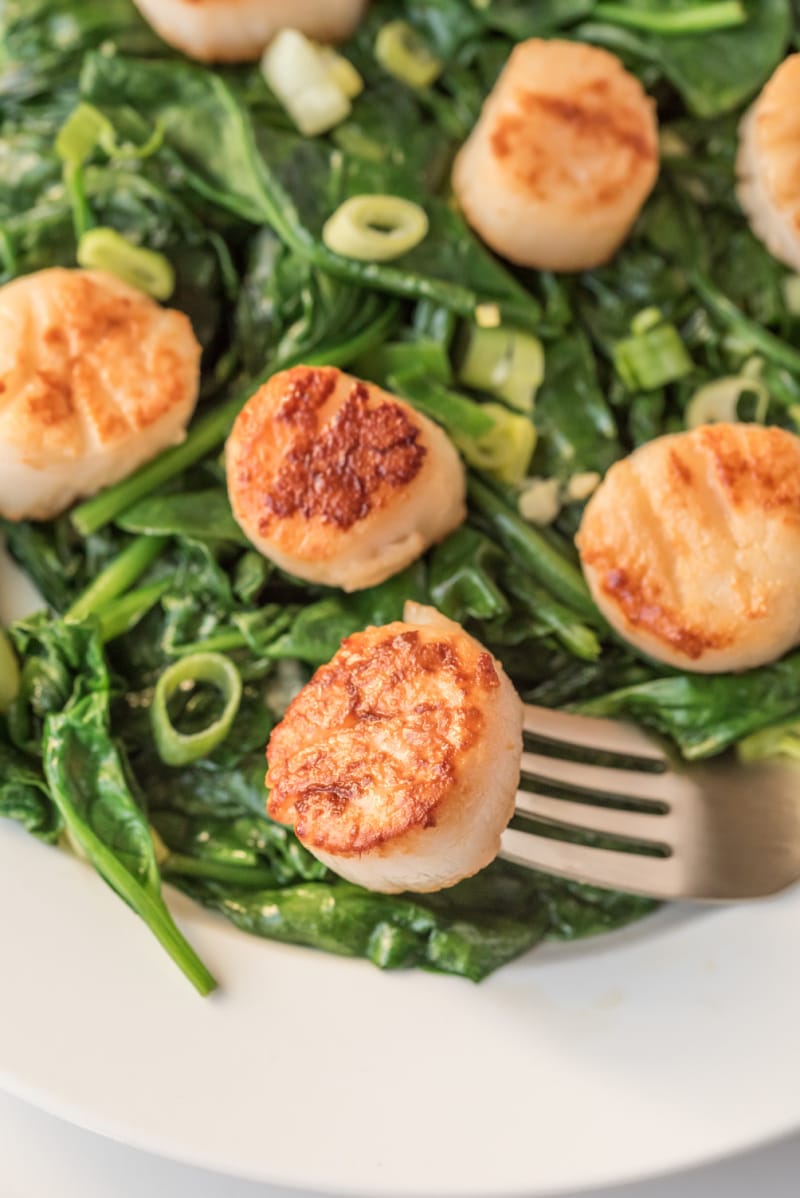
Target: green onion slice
(86, 128)
(83, 129)
(508, 363)
(342, 71)
(506, 450)
(645, 320)
(150, 272)
(719, 401)
(375, 228)
(652, 359)
(314, 88)
(401, 51)
(9, 674)
(175, 748)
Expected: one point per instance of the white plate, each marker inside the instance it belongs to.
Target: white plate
(662, 1046)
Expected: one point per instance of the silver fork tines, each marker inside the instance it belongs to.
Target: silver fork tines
(722, 832)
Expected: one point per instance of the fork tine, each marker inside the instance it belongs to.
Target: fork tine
(657, 877)
(654, 827)
(602, 779)
(590, 732)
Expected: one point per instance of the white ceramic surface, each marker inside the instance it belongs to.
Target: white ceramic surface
(667, 1044)
(43, 1157)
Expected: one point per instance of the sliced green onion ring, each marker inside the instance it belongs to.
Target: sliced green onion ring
(375, 228)
(506, 450)
(509, 363)
(83, 129)
(401, 51)
(718, 402)
(314, 89)
(9, 674)
(645, 320)
(652, 359)
(148, 271)
(174, 747)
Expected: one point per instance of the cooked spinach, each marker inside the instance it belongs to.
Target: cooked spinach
(236, 200)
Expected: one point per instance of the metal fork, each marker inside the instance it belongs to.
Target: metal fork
(724, 831)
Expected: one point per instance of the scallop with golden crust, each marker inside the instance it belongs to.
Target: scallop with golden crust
(562, 158)
(95, 379)
(691, 547)
(338, 481)
(398, 763)
(768, 163)
(238, 30)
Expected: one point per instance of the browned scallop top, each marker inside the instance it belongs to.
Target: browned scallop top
(755, 467)
(571, 125)
(316, 447)
(685, 537)
(375, 742)
(86, 361)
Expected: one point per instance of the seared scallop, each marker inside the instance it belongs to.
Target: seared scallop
(398, 763)
(691, 547)
(562, 158)
(339, 482)
(95, 379)
(238, 30)
(768, 164)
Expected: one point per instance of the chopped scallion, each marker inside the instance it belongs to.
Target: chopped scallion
(652, 359)
(87, 128)
(174, 747)
(506, 450)
(353, 140)
(375, 228)
(343, 73)
(645, 320)
(508, 363)
(719, 401)
(105, 249)
(303, 79)
(401, 51)
(81, 133)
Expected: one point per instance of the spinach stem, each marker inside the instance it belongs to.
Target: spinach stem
(123, 614)
(115, 579)
(209, 432)
(220, 642)
(251, 876)
(533, 552)
(760, 338)
(150, 908)
(705, 18)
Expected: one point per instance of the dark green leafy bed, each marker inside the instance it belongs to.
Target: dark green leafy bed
(236, 200)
